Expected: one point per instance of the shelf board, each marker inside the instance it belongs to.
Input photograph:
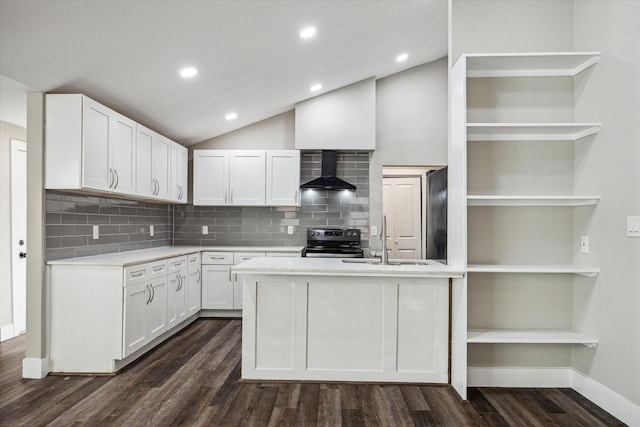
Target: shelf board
(546, 64)
(511, 200)
(528, 336)
(535, 269)
(530, 131)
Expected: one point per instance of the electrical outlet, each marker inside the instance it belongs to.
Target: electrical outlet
(584, 244)
(205, 229)
(374, 230)
(290, 229)
(151, 231)
(96, 232)
(633, 226)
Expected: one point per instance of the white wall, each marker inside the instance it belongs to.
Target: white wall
(8, 131)
(411, 126)
(610, 307)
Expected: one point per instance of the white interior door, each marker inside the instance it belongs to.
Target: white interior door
(402, 206)
(19, 234)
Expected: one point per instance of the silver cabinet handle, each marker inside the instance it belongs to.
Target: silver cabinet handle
(158, 268)
(153, 191)
(137, 274)
(117, 179)
(179, 283)
(149, 297)
(110, 178)
(199, 276)
(216, 257)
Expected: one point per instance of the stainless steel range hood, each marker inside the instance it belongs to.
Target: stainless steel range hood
(328, 180)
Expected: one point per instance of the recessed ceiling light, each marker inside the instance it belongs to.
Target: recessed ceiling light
(308, 32)
(402, 57)
(231, 116)
(188, 72)
(316, 87)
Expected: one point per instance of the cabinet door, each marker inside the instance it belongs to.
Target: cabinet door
(122, 147)
(217, 287)
(247, 181)
(173, 288)
(181, 296)
(157, 308)
(283, 178)
(95, 146)
(161, 152)
(194, 291)
(178, 173)
(144, 170)
(136, 298)
(210, 177)
(239, 257)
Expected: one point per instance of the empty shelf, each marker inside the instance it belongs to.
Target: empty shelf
(550, 64)
(528, 336)
(510, 200)
(530, 131)
(536, 269)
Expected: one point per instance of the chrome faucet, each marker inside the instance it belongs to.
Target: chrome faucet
(384, 258)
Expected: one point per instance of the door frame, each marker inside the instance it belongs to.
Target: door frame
(408, 172)
(18, 296)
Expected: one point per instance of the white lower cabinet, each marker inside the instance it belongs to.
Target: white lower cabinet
(145, 313)
(177, 291)
(239, 257)
(217, 287)
(194, 284)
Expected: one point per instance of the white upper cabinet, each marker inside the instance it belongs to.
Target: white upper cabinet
(161, 158)
(91, 147)
(283, 178)
(344, 119)
(210, 177)
(88, 146)
(178, 175)
(247, 178)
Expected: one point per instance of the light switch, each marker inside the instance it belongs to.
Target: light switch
(374, 230)
(151, 231)
(290, 229)
(96, 232)
(205, 229)
(633, 226)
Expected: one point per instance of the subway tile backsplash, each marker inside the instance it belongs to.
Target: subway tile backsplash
(124, 224)
(254, 226)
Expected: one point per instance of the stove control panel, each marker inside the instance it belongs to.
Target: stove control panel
(333, 234)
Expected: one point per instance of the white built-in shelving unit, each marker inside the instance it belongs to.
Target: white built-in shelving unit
(462, 205)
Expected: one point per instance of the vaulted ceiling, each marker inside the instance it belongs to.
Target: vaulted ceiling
(127, 54)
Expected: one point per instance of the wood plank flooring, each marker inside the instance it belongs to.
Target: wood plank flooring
(193, 379)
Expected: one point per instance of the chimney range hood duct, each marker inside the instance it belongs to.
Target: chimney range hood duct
(328, 180)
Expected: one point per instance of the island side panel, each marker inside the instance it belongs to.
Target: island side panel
(345, 328)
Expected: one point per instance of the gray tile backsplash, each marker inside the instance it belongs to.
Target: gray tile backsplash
(124, 224)
(252, 226)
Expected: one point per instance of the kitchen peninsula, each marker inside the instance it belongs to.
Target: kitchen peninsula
(329, 319)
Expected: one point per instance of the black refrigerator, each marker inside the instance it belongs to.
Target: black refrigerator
(437, 215)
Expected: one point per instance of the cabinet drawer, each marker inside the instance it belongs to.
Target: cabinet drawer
(239, 257)
(217, 258)
(193, 261)
(136, 274)
(177, 264)
(284, 254)
(157, 268)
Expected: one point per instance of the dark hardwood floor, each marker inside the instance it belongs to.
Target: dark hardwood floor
(193, 379)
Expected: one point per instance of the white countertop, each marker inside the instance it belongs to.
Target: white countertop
(335, 267)
(128, 258)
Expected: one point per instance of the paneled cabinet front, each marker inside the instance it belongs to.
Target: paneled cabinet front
(246, 177)
(145, 313)
(93, 148)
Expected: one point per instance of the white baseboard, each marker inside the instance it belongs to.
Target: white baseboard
(6, 332)
(617, 405)
(35, 368)
(621, 408)
(519, 377)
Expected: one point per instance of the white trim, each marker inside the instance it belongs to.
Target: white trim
(35, 368)
(620, 407)
(519, 377)
(6, 332)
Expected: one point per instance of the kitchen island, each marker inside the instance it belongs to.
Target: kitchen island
(325, 319)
